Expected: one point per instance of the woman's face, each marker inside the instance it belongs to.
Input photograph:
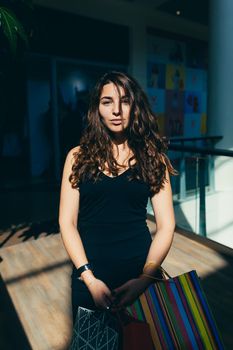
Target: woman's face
(111, 105)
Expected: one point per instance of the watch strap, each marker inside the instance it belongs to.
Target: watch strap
(83, 268)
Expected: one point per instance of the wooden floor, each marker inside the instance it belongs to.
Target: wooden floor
(36, 276)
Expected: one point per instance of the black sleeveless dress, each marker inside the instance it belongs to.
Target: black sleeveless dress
(112, 225)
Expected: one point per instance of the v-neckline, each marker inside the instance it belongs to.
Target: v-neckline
(114, 177)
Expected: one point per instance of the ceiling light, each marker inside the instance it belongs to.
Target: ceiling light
(178, 12)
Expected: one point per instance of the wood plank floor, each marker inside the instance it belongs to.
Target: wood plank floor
(36, 275)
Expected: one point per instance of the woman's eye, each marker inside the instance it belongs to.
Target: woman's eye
(126, 102)
(106, 102)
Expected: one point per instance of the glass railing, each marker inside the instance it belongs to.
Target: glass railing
(203, 191)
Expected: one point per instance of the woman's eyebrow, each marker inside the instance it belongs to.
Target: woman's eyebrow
(107, 97)
(110, 98)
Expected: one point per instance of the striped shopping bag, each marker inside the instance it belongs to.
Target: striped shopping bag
(178, 314)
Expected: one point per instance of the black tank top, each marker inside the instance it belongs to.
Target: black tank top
(112, 218)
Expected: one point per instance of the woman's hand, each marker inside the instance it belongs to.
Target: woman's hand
(101, 293)
(126, 294)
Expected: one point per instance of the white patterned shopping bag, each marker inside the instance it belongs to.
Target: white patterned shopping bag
(94, 330)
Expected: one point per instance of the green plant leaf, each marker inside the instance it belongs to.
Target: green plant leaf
(12, 28)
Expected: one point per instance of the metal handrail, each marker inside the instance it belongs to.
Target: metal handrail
(203, 154)
(201, 150)
(199, 138)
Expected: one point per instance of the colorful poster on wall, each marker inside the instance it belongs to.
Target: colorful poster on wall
(174, 124)
(194, 79)
(204, 102)
(193, 102)
(157, 100)
(192, 125)
(156, 75)
(177, 85)
(174, 101)
(175, 77)
(174, 111)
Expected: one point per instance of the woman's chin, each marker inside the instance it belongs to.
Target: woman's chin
(118, 128)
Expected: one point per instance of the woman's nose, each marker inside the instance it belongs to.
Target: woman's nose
(116, 109)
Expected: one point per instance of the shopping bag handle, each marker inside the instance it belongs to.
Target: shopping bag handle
(164, 272)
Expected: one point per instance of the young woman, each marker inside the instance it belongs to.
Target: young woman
(107, 181)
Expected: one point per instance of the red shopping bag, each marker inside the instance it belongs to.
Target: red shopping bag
(135, 334)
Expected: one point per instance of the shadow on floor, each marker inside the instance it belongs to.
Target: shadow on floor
(12, 335)
(26, 231)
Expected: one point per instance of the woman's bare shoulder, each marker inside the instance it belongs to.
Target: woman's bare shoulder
(74, 150)
(71, 154)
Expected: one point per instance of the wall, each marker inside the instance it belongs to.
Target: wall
(138, 17)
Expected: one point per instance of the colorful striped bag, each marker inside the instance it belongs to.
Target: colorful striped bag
(178, 314)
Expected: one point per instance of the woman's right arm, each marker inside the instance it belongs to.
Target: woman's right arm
(68, 218)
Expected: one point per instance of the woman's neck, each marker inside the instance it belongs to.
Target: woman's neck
(120, 142)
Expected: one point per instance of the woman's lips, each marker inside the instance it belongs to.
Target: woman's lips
(116, 122)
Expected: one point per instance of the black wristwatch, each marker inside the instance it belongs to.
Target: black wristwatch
(84, 268)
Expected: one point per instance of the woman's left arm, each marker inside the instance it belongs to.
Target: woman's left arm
(162, 205)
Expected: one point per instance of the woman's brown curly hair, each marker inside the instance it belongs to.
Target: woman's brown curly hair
(148, 148)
